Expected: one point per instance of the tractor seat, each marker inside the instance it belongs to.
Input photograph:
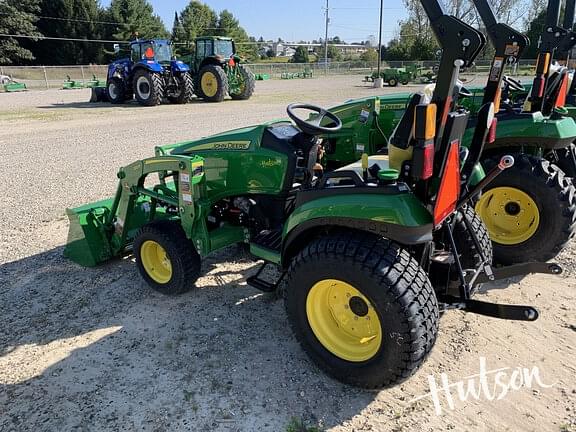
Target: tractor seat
(381, 160)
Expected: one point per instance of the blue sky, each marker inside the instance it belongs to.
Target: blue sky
(293, 20)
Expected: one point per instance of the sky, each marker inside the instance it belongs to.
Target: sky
(294, 20)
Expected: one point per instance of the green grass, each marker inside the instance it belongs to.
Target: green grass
(298, 425)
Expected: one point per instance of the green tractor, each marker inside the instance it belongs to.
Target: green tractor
(368, 255)
(530, 210)
(218, 70)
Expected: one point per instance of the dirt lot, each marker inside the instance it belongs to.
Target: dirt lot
(96, 349)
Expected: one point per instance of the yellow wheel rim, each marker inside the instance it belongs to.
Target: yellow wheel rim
(511, 216)
(156, 262)
(343, 320)
(209, 84)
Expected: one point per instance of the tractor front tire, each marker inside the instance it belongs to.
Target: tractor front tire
(166, 259)
(246, 86)
(212, 83)
(116, 90)
(148, 87)
(529, 209)
(362, 308)
(393, 82)
(185, 89)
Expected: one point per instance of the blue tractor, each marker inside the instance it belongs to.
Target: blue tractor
(150, 74)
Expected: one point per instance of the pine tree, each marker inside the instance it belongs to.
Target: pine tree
(78, 20)
(135, 17)
(197, 20)
(229, 26)
(17, 17)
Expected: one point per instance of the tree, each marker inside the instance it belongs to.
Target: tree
(197, 20)
(17, 17)
(229, 26)
(78, 20)
(370, 55)
(301, 55)
(135, 16)
(333, 53)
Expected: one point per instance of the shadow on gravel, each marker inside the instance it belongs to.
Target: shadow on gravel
(97, 349)
(130, 104)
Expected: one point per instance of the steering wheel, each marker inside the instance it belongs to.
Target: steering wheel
(312, 126)
(514, 84)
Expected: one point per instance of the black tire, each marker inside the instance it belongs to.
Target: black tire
(148, 87)
(185, 89)
(567, 160)
(470, 257)
(393, 82)
(395, 286)
(116, 90)
(219, 87)
(247, 84)
(185, 261)
(555, 198)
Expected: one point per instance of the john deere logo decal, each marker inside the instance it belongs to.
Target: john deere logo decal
(222, 145)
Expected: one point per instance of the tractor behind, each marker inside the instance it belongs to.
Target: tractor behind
(218, 70)
(150, 74)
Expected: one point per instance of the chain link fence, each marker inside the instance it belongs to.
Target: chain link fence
(47, 77)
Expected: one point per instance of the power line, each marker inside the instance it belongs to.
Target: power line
(60, 39)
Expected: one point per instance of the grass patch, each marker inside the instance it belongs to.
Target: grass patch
(298, 425)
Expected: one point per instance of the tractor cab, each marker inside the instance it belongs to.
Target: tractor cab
(214, 49)
(159, 51)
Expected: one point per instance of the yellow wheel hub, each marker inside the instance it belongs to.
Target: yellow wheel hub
(511, 216)
(156, 262)
(343, 320)
(209, 84)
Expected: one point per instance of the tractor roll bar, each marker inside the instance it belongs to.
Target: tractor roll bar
(551, 39)
(460, 44)
(568, 41)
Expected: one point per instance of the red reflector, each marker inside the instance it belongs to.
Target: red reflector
(449, 191)
(561, 99)
(428, 162)
(231, 62)
(492, 131)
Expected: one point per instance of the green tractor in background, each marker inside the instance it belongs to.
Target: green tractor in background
(530, 210)
(218, 70)
(395, 76)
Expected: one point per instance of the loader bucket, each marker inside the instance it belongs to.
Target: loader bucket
(88, 237)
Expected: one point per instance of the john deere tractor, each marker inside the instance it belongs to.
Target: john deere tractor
(530, 210)
(151, 74)
(369, 253)
(218, 70)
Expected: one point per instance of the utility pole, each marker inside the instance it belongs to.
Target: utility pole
(379, 82)
(326, 38)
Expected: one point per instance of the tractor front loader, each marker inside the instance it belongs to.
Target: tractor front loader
(369, 253)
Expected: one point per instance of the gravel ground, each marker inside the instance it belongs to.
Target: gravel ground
(96, 349)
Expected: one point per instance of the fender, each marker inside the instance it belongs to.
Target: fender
(179, 66)
(396, 215)
(149, 65)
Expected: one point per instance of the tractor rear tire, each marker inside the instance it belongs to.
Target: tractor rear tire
(529, 209)
(470, 257)
(567, 160)
(166, 259)
(185, 88)
(247, 84)
(362, 308)
(212, 83)
(148, 87)
(116, 90)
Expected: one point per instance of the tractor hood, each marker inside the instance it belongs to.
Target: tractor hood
(238, 139)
